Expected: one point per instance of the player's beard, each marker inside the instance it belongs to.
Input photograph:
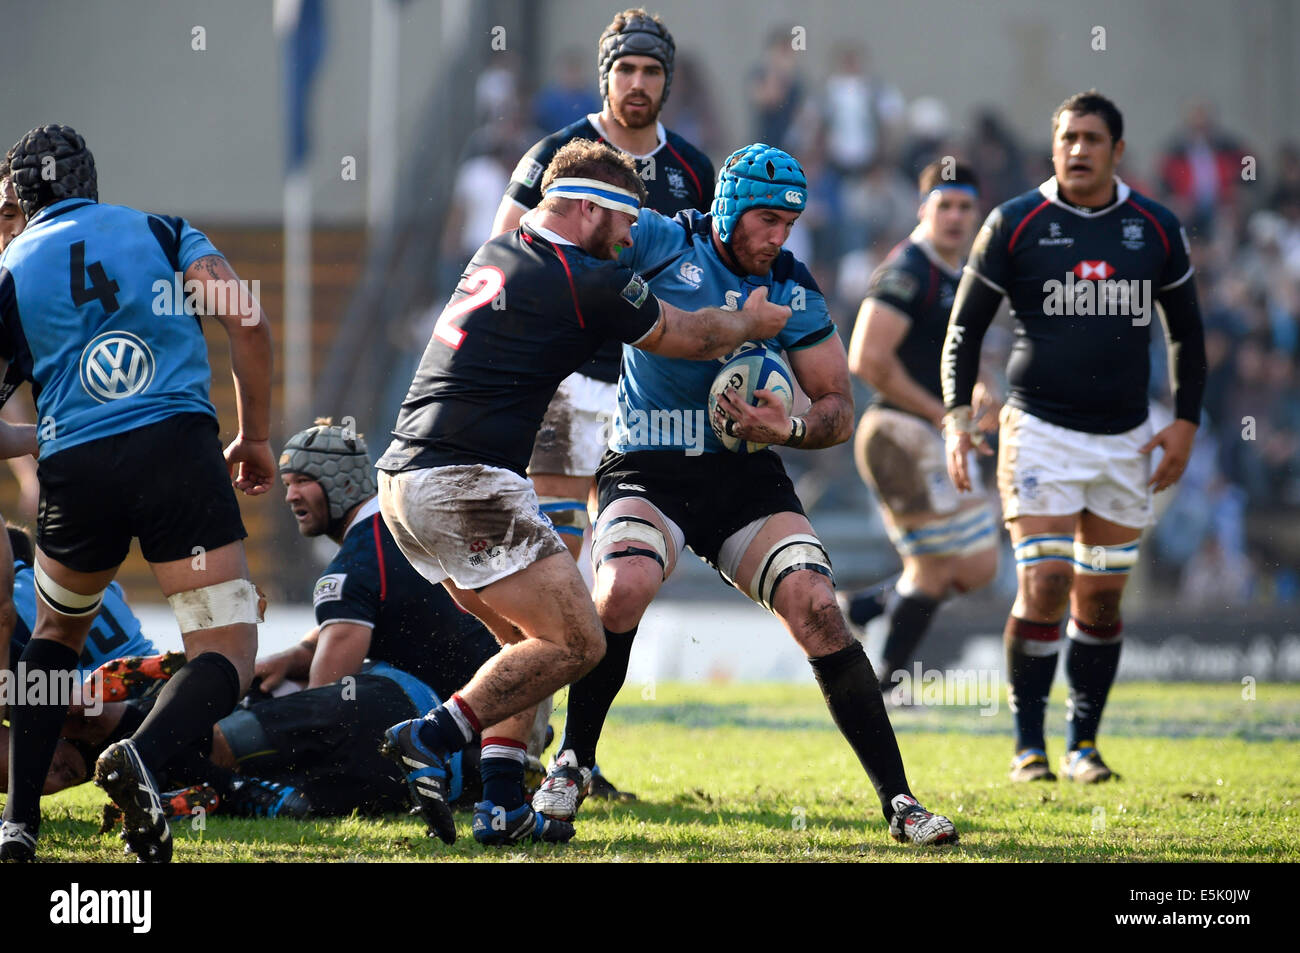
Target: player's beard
(602, 240)
(649, 118)
(746, 256)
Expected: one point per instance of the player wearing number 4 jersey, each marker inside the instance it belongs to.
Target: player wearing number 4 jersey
(1083, 259)
(739, 512)
(128, 448)
(452, 487)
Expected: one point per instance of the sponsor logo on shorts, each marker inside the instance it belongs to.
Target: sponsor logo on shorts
(329, 588)
(634, 487)
(1029, 486)
(485, 555)
(116, 364)
(636, 291)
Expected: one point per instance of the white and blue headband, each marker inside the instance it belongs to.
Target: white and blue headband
(593, 190)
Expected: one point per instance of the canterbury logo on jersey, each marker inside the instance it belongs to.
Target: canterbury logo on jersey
(116, 364)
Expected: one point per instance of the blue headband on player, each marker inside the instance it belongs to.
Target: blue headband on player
(594, 190)
(955, 186)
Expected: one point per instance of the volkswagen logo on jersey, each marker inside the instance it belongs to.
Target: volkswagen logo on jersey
(116, 364)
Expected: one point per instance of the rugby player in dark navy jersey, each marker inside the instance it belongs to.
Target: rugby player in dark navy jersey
(947, 544)
(533, 306)
(388, 645)
(634, 63)
(128, 448)
(1083, 259)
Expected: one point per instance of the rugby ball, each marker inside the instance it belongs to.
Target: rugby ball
(759, 369)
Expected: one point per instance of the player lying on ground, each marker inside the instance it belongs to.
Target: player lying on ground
(131, 450)
(116, 633)
(452, 486)
(1083, 259)
(948, 544)
(387, 645)
(738, 512)
(635, 57)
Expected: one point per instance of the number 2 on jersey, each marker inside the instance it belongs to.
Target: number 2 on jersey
(483, 285)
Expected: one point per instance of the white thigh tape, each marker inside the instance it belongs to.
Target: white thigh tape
(63, 600)
(1036, 549)
(1105, 560)
(226, 603)
(628, 529)
(800, 551)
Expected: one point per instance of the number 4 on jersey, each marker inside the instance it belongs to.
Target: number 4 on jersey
(100, 289)
(483, 285)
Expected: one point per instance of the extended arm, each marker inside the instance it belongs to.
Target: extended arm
(712, 332)
(250, 360)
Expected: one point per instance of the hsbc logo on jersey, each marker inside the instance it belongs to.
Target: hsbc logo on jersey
(1088, 270)
(1089, 289)
(115, 365)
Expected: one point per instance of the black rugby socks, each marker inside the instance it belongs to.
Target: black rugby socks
(853, 696)
(1091, 661)
(203, 692)
(1031, 665)
(910, 616)
(34, 727)
(591, 697)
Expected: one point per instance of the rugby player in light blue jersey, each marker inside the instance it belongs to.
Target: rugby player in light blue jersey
(128, 449)
(738, 512)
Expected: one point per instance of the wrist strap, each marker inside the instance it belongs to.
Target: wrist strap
(798, 430)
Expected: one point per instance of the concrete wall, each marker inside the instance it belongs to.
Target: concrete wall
(200, 132)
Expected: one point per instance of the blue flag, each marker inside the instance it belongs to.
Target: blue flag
(301, 27)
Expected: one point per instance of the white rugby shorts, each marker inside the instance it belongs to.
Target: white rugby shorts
(473, 524)
(1046, 470)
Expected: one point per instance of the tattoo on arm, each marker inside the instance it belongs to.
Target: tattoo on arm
(209, 264)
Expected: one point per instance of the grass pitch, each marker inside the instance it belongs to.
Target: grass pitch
(746, 772)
